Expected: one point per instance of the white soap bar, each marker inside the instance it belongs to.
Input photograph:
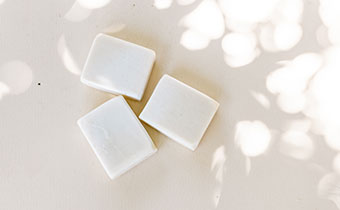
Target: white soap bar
(116, 136)
(117, 66)
(179, 111)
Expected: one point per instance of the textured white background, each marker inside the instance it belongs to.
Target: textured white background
(46, 163)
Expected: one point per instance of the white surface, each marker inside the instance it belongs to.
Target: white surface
(179, 111)
(116, 136)
(118, 66)
(46, 162)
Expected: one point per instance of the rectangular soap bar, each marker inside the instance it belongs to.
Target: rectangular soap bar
(179, 111)
(117, 66)
(116, 136)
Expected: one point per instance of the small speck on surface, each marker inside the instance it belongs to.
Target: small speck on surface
(133, 5)
(39, 83)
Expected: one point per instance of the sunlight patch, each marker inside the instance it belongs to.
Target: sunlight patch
(297, 144)
(162, 4)
(16, 77)
(93, 4)
(203, 24)
(239, 48)
(67, 57)
(4, 90)
(287, 35)
(253, 137)
(77, 13)
(185, 2)
(261, 99)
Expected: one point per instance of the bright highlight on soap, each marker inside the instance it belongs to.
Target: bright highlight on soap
(118, 67)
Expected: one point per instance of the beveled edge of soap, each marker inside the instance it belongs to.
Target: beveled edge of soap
(165, 131)
(131, 166)
(154, 149)
(153, 146)
(166, 76)
(99, 35)
(95, 85)
(170, 134)
(139, 123)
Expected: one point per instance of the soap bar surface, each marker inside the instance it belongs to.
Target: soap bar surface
(179, 111)
(117, 66)
(116, 136)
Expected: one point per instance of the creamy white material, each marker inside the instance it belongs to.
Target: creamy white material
(116, 136)
(117, 66)
(179, 111)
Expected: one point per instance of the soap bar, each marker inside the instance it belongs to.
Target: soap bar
(117, 66)
(179, 111)
(117, 137)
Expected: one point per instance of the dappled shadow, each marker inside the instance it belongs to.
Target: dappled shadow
(273, 108)
(15, 78)
(251, 27)
(271, 64)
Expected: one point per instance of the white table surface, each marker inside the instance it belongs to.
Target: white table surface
(46, 163)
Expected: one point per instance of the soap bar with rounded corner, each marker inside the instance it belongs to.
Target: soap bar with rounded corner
(116, 136)
(117, 66)
(179, 111)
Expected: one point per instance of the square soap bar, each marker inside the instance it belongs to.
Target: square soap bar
(179, 111)
(117, 137)
(117, 66)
